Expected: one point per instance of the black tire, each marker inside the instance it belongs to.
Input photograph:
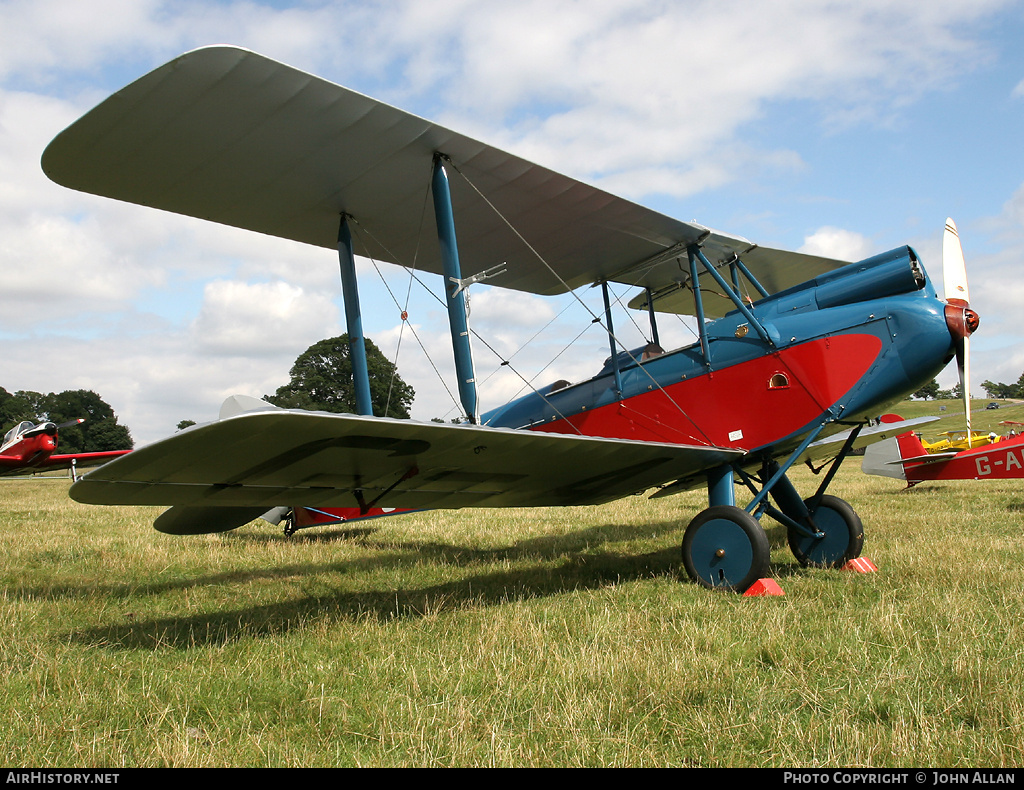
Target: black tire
(725, 548)
(844, 536)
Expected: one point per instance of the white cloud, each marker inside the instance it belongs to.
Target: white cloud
(40, 36)
(260, 319)
(843, 245)
(605, 89)
(996, 286)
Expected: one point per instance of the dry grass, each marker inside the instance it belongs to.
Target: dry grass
(525, 638)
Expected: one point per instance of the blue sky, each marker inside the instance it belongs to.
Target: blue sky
(843, 129)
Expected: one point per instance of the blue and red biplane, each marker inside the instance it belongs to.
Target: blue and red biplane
(798, 372)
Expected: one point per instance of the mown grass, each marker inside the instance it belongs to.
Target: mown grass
(510, 638)
(953, 418)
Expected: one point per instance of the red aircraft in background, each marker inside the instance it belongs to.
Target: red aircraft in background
(296, 518)
(988, 457)
(29, 448)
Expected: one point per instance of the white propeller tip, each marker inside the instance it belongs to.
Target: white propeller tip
(954, 270)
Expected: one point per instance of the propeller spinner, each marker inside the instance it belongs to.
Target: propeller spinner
(960, 318)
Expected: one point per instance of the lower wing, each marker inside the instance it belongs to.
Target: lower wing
(245, 464)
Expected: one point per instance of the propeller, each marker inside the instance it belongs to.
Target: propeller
(960, 318)
(51, 428)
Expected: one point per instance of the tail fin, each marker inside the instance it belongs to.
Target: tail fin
(886, 457)
(910, 445)
(883, 458)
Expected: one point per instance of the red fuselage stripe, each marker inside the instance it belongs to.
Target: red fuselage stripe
(748, 405)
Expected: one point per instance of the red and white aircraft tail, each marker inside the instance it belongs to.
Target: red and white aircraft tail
(904, 457)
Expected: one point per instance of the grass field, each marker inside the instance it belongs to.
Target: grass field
(511, 638)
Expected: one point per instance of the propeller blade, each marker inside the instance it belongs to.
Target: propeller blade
(954, 270)
(68, 424)
(957, 293)
(964, 368)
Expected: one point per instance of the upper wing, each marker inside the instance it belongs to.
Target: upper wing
(275, 457)
(671, 287)
(230, 136)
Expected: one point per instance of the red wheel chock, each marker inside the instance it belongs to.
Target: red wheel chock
(763, 587)
(861, 565)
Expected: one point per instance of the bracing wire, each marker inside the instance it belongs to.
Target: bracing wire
(504, 362)
(565, 285)
(404, 309)
(528, 383)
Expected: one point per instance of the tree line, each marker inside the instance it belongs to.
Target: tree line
(100, 431)
(992, 390)
(1000, 390)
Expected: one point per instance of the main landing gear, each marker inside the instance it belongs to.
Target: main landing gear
(725, 547)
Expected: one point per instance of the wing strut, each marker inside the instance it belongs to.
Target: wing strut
(653, 318)
(694, 253)
(611, 339)
(354, 320)
(761, 330)
(738, 264)
(454, 289)
(698, 303)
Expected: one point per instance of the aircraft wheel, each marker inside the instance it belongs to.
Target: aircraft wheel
(844, 536)
(724, 547)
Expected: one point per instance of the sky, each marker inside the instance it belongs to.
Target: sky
(837, 128)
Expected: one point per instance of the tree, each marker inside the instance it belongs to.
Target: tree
(1000, 390)
(100, 431)
(321, 380)
(18, 407)
(929, 390)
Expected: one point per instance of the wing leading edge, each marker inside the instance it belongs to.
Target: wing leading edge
(224, 134)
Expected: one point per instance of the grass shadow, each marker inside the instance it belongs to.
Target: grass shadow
(577, 560)
(576, 572)
(556, 564)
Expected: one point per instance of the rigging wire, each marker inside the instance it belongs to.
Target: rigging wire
(523, 346)
(504, 362)
(404, 309)
(565, 285)
(507, 362)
